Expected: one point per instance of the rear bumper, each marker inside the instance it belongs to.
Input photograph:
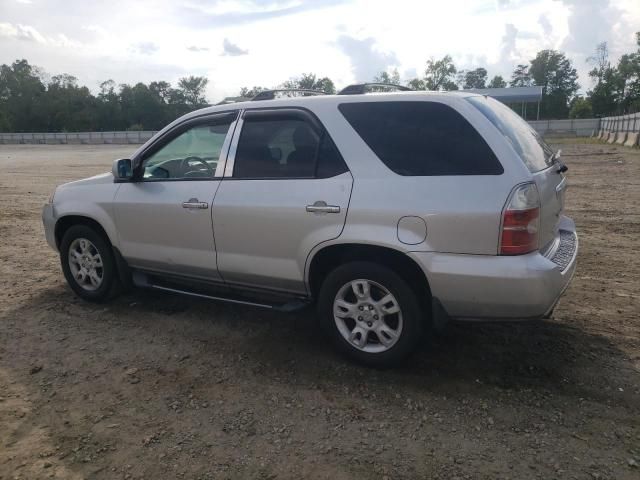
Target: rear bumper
(49, 222)
(484, 287)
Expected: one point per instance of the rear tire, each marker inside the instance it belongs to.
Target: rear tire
(370, 313)
(88, 264)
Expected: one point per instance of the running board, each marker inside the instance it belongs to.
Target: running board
(141, 280)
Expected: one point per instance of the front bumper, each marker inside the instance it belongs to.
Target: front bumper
(484, 287)
(49, 222)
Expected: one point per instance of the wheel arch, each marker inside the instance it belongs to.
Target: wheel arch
(331, 256)
(64, 223)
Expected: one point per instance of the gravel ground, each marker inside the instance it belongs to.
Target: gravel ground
(159, 386)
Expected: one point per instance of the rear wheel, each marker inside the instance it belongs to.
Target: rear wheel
(88, 264)
(371, 313)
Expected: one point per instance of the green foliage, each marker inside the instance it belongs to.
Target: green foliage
(580, 108)
(30, 104)
(309, 81)
(475, 78)
(387, 78)
(520, 77)
(553, 71)
(438, 75)
(497, 82)
(247, 92)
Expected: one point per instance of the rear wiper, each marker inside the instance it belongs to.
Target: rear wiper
(555, 158)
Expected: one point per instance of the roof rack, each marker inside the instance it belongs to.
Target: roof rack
(360, 88)
(271, 94)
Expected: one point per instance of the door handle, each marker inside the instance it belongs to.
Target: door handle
(195, 203)
(322, 207)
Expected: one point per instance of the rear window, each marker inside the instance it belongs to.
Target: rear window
(528, 143)
(421, 138)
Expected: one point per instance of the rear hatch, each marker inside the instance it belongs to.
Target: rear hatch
(538, 157)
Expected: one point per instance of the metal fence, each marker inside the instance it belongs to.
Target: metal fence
(117, 138)
(579, 127)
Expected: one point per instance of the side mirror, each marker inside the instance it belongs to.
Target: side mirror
(122, 169)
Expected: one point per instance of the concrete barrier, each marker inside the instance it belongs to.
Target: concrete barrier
(632, 140)
(620, 139)
(612, 137)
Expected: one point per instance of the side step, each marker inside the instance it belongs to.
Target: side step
(292, 304)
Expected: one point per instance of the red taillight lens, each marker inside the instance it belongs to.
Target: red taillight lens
(521, 221)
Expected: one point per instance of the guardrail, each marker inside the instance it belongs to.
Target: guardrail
(579, 127)
(117, 138)
(623, 130)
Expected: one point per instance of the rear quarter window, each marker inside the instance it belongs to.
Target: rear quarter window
(421, 138)
(528, 144)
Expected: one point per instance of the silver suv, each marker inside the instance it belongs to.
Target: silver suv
(392, 212)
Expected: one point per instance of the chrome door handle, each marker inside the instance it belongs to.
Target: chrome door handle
(322, 207)
(195, 203)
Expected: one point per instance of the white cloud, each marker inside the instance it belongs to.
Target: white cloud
(231, 49)
(21, 32)
(265, 42)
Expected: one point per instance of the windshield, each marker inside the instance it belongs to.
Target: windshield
(528, 143)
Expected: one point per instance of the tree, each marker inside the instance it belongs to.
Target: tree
(497, 82)
(22, 97)
(192, 89)
(608, 88)
(580, 108)
(521, 77)
(438, 75)
(475, 78)
(309, 81)
(629, 79)
(251, 92)
(387, 78)
(553, 71)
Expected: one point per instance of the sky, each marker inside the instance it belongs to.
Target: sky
(236, 43)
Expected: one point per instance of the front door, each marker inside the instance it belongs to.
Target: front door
(163, 217)
(285, 190)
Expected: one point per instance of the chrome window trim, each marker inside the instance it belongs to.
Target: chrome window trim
(224, 151)
(231, 157)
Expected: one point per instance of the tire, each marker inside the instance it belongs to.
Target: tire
(390, 337)
(87, 243)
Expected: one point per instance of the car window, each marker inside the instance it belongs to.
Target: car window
(528, 143)
(276, 148)
(330, 162)
(192, 154)
(422, 138)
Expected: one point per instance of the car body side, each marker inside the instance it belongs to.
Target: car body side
(448, 225)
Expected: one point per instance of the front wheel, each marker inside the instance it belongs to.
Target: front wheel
(371, 313)
(88, 264)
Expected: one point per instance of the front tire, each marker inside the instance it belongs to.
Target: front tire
(88, 264)
(371, 313)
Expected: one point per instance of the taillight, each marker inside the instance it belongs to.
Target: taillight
(521, 221)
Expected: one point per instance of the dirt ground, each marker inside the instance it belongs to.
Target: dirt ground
(159, 386)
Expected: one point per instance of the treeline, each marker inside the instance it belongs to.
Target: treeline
(30, 101)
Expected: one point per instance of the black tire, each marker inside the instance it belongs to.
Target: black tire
(109, 287)
(410, 306)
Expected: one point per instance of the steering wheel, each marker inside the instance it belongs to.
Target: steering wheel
(185, 165)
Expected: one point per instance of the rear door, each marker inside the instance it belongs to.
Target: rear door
(286, 189)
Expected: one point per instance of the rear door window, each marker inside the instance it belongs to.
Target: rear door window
(528, 143)
(422, 138)
(277, 144)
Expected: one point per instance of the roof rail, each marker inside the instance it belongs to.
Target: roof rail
(271, 94)
(360, 88)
